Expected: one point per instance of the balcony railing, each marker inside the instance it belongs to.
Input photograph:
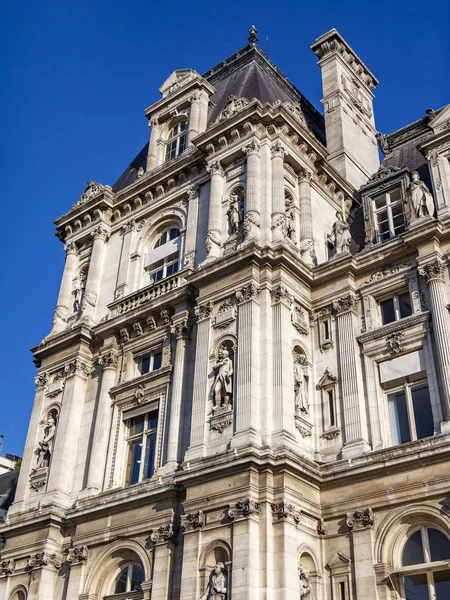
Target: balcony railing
(147, 294)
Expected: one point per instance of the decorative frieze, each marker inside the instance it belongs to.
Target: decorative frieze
(44, 559)
(360, 519)
(77, 554)
(7, 567)
(193, 520)
(162, 534)
(243, 508)
(247, 293)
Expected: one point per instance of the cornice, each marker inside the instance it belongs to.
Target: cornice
(179, 95)
(51, 344)
(401, 325)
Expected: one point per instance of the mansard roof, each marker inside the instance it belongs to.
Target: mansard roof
(249, 73)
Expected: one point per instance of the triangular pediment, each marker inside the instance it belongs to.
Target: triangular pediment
(178, 78)
(327, 379)
(338, 560)
(441, 119)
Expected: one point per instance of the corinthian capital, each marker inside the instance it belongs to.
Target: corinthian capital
(278, 150)
(109, 359)
(305, 175)
(71, 248)
(433, 270)
(281, 294)
(101, 233)
(247, 293)
(214, 168)
(192, 191)
(181, 330)
(252, 148)
(129, 226)
(344, 305)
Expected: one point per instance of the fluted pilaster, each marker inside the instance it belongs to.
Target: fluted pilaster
(252, 208)
(307, 252)
(153, 145)
(213, 240)
(278, 204)
(101, 236)
(62, 310)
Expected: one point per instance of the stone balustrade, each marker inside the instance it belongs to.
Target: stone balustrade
(147, 294)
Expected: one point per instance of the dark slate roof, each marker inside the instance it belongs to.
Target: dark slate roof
(246, 74)
(8, 484)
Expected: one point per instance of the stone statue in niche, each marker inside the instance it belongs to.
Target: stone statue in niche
(235, 213)
(340, 236)
(305, 586)
(217, 585)
(290, 218)
(421, 199)
(76, 292)
(223, 380)
(300, 385)
(45, 447)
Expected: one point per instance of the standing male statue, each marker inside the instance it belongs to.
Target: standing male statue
(235, 213)
(301, 400)
(216, 588)
(223, 382)
(45, 448)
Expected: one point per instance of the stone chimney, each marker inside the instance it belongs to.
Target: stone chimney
(347, 100)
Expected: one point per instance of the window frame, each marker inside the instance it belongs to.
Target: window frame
(407, 387)
(150, 354)
(181, 133)
(396, 302)
(162, 265)
(390, 218)
(144, 436)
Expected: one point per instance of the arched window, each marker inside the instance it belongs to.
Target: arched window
(19, 595)
(425, 565)
(177, 140)
(164, 259)
(128, 580)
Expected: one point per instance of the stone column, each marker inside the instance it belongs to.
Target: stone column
(153, 144)
(252, 211)
(353, 397)
(122, 276)
(194, 116)
(162, 539)
(278, 205)
(213, 240)
(246, 368)
(181, 332)
(62, 310)
(200, 392)
(100, 235)
(360, 524)
(65, 449)
(307, 253)
(434, 277)
(99, 449)
(191, 227)
(283, 381)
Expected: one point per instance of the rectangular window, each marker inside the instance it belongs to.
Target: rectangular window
(342, 595)
(389, 215)
(332, 415)
(150, 362)
(141, 440)
(410, 413)
(396, 308)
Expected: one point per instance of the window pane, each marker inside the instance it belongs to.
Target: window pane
(399, 418)
(149, 465)
(416, 587)
(380, 201)
(326, 330)
(145, 365)
(158, 275)
(121, 582)
(413, 550)
(387, 311)
(331, 408)
(404, 303)
(442, 585)
(136, 451)
(397, 210)
(137, 577)
(395, 195)
(157, 360)
(174, 233)
(153, 420)
(182, 145)
(439, 545)
(137, 425)
(423, 416)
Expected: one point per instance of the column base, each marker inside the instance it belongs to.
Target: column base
(355, 448)
(246, 438)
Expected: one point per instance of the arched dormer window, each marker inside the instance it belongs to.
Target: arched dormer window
(177, 140)
(163, 259)
(128, 580)
(425, 560)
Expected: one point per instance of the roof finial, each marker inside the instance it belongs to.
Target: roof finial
(253, 38)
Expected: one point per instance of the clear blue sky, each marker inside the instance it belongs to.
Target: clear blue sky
(77, 76)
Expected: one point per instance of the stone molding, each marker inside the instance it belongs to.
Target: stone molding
(193, 521)
(109, 359)
(327, 379)
(433, 271)
(221, 418)
(77, 554)
(281, 295)
(243, 508)
(7, 567)
(331, 434)
(163, 534)
(44, 559)
(344, 305)
(248, 292)
(360, 519)
(385, 330)
(38, 478)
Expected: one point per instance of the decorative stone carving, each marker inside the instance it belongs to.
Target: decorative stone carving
(247, 293)
(321, 529)
(281, 294)
(193, 520)
(299, 321)
(252, 147)
(394, 342)
(109, 360)
(181, 329)
(233, 106)
(129, 226)
(77, 367)
(331, 434)
(327, 379)
(77, 554)
(433, 270)
(360, 519)
(162, 534)
(295, 110)
(305, 586)
(340, 237)
(279, 222)
(166, 316)
(100, 232)
(139, 394)
(251, 219)
(203, 311)
(235, 213)
(223, 380)
(344, 304)
(304, 431)
(213, 238)
(38, 478)
(278, 150)
(137, 328)
(151, 323)
(290, 218)
(92, 189)
(214, 167)
(7, 567)
(383, 172)
(388, 272)
(189, 260)
(225, 315)
(71, 248)
(41, 380)
(300, 385)
(284, 510)
(217, 585)
(422, 204)
(243, 508)
(221, 418)
(43, 559)
(124, 335)
(56, 386)
(45, 447)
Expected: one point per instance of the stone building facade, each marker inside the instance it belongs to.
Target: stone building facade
(245, 392)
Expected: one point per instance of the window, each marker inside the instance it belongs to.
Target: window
(425, 560)
(396, 308)
(177, 140)
(163, 260)
(325, 338)
(129, 579)
(331, 411)
(410, 413)
(141, 446)
(389, 215)
(149, 362)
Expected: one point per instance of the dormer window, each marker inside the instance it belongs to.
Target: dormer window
(177, 140)
(388, 215)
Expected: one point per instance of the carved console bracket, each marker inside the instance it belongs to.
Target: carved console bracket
(360, 519)
(38, 478)
(243, 509)
(221, 418)
(192, 521)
